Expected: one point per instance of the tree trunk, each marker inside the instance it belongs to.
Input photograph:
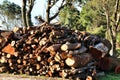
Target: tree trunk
(24, 12)
(112, 29)
(115, 25)
(28, 13)
(48, 11)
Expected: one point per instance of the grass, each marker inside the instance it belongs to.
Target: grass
(110, 76)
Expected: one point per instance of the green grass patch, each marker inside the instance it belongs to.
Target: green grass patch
(110, 76)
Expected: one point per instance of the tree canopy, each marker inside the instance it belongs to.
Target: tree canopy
(10, 14)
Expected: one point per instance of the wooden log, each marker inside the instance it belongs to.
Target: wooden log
(82, 49)
(57, 57)
(96, 54)
(63, 74)
(79, 60)
(70, 46)
(3, 59)
(4, 37)
(89, 78)
(3, 69)
(9, 56)
(3, 42)
(103, 48)
(25, 63)
(107, 43)
(9, 49)
(19, 61)
(57, 33)
(63, 55)
(39, 58)
(38, 66)
(7, 34)
(117, 69)
(109, 63)
(43, 41)
(54, 47)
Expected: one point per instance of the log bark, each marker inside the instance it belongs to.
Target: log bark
(78, 61)
(109, 63)
(70, 46)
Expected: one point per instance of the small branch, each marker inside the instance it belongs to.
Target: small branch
(56, 14)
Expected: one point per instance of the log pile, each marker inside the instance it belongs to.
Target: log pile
(55, 52)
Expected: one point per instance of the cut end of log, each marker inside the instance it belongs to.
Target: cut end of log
(70, 46)
(96, 54)
(89, 78)
(64, 47)
(117, 69)
(9, 49)
(70, 61)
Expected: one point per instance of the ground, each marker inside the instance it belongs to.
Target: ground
(5, 76)
(25, 77)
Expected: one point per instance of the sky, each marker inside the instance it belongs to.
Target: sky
(39, 8)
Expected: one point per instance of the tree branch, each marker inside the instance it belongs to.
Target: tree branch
(54, 2)
(56, 14)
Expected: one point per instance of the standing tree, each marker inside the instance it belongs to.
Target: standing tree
(92, 18)
(27, 6)
(10, 15)
(69, 16)
(113, 21)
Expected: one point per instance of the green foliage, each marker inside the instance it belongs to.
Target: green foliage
(10, 15)
(118, 52)
(10, 9)
(110, 76)
(92, 15)
(118, 37)
(69, 16)
(99, 31)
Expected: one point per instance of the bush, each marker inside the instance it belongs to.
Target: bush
(99, 31)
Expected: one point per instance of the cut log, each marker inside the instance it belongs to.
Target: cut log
(109, 63)
(104, 49)
(57, 57)
(3, 59)
(54, 47)
(3, 69)
(9, 49)
(117, 69)
(78, 61)
(38, 58)
(107, 44)
(70, 46)
(96, 54)
(83, 49)
(89, 78)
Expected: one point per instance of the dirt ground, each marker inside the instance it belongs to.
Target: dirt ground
(24, 77)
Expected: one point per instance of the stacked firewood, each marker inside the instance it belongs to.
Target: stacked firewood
(55, 51)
